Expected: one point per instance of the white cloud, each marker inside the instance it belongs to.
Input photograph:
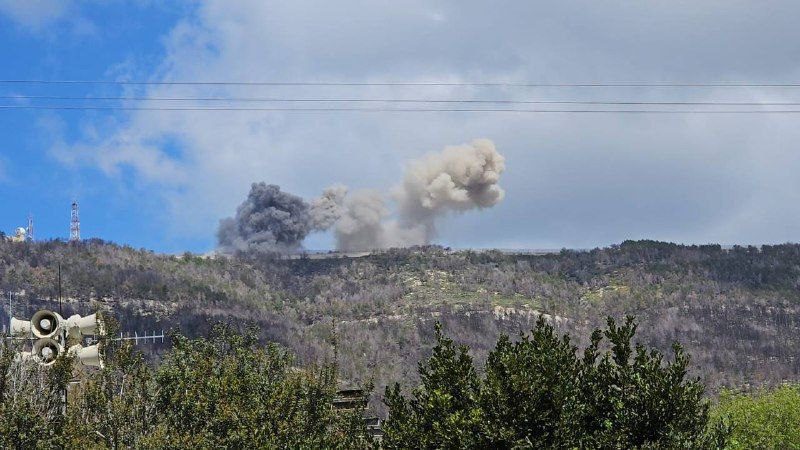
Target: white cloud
(35, 14)
(571, 180)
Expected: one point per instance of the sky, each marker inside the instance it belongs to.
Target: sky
(162, 180)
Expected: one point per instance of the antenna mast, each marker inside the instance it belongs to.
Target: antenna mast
(75, 224)
(30, 228)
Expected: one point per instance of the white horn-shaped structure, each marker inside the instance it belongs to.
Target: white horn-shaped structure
(20, 327)
(88, 356)
(47, 350)
(46, 324)
(91, 324)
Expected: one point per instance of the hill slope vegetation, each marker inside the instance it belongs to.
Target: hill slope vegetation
(736, 311)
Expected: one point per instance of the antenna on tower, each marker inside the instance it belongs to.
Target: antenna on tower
(75, 224)
(30, 227)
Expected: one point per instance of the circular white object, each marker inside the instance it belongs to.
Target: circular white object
(45, 324)
(47, 353)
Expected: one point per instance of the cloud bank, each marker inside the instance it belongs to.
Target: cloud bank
(577, 180)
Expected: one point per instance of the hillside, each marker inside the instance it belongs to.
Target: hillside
(736, 310)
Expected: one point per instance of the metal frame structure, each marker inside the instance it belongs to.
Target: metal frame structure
(74, 224)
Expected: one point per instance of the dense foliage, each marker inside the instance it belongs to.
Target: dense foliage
(224, 391)
(31, 412)
(539, 392)
(736, 310)
(762, 419)
(228, 391)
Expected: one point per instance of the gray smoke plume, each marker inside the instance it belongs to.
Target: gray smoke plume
(360, 225)
(365, 225)
(328, 208)
(457, 179)
(268, 220)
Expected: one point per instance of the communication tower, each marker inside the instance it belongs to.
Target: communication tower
(30, 227)
(75, 224)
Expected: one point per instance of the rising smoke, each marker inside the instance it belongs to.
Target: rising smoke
(458, 179)
(328, 208)
(268, 220)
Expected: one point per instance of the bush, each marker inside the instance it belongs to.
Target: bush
(764, 419)
(224, 391)
(539, 393)
(228, 392)
(31, 400)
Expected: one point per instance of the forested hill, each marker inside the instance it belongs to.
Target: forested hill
(736, 310)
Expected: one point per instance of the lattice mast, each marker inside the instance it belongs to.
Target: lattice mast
(30, 228)
(75, 224)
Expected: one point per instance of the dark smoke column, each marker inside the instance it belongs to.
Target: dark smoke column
(269, 220)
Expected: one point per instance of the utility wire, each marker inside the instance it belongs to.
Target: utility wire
(393, 100)
(431, 83)
(358, 109)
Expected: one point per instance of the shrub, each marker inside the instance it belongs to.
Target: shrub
(223, 391)
(763, 419)
(539, 393)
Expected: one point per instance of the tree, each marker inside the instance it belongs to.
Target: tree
(444, 411)
(224, 391)
(528, 390)
(761, 419)
(31, 400)
(630, 398)
(115, 407)
(539, 393)
(227, 391)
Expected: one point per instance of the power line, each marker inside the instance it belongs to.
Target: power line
(401, 83)
(392, 100)
(357, 109)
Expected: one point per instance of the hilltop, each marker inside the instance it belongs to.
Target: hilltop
(736, 310)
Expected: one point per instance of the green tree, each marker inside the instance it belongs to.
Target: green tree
(764, 419)
(224, 391)
(529, 389)
(115, 407)
(227, 391)
(31, 400)
(629, 397)
(444, 411)
(539, 393)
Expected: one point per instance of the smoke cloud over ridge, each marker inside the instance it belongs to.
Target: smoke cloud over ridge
(457, 179)
(327, 208)
(268, 220)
